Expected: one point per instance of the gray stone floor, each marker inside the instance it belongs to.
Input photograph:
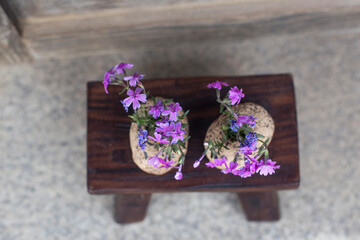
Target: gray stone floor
(43, 147)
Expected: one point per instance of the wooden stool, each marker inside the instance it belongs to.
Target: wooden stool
(111, 169)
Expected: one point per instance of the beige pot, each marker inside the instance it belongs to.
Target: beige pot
(139, 156)
(265, 126)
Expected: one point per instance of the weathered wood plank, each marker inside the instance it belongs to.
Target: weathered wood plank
(12, 49)
(113, 41)
(40, 18)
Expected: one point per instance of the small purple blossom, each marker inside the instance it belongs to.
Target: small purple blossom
(179, 175)
(134, 79)
(197, 163)
(142, 137)
(242, 119)
(217, 162)
(267, 167)
(165, 163)
(234, 126)
(120, 69)
(125, 107)
(154, 161)
(156, 110)
(165, 128)
(248, 170)
(251, 121)
(158, 138)
(231, 169)
(177, 133)
(134, 98)
(172, 110)
(235, 95)
(107, 79)
(245, 150)
(217, 85)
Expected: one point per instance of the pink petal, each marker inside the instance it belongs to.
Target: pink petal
(141, 98)
(137, 91)
(136, 104)
(130, 92)
(128, 101)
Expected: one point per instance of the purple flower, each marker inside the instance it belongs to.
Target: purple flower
(251, 121)
(125, 107)
(158, 138)
(242, 119)
(165, 164)
(107, 79)
(178, 175)
(231, 168)
(235, 95)
(210, 164)
(173, 111)
(120, 69)
(217, 85)
(234, 126)
(154, 161)
(156, 110)
(134, 79)
(165, 128)
(197, 163)
(248, 170)
(217, 162)
(177, 134)
(134, 98)
(245, 150)
(142, 137)
(267, 167)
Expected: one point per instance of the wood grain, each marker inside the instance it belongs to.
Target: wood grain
(111, 169)
(12, 48)
(131, 208)
(260, 206)
(77, 28)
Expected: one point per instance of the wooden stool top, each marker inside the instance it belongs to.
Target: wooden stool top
(110, 168)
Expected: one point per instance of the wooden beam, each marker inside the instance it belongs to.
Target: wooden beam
(12, 49)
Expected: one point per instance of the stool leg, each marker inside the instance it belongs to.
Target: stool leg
(260, 206)
(131, 207)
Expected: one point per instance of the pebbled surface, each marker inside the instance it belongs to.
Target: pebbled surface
(43, 144)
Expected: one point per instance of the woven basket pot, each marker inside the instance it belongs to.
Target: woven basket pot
(265, 126)
(138, 155)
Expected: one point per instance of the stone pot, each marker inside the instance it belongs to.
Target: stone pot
(139, 156)
(265, 126)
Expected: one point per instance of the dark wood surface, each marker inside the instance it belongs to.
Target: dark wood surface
(110, 166)
(131, 208)
(260, 206)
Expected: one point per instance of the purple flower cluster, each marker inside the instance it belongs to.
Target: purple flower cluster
(247, 138)
(249, 120)
(160, 123)
(142, 137)
(168, 131)
(135, 97)
(235, 95)
(263, 167)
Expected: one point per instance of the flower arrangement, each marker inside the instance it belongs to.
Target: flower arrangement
(160, 122)
(238, 129)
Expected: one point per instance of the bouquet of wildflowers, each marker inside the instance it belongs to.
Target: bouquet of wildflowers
(239, 129)
(160, 123)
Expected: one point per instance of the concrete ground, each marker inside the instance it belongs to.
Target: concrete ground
(43, 145)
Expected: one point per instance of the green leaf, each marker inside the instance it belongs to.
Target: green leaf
(187, 138)
(222, 108)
